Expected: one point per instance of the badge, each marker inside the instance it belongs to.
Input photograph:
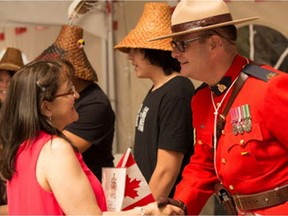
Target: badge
(221, 88)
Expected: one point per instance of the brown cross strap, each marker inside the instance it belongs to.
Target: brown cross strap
(222, 117)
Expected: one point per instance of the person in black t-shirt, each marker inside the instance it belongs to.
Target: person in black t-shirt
(163, 133)
(93, 132)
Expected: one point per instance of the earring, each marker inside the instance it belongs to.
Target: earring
(49, 121)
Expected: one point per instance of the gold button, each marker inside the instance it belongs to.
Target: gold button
(231, 187)
(200, 142)
(223, 132)
(241, 142)
(223, 160)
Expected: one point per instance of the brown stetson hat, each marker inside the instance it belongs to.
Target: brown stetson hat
(69, 46)
(199, 15)
(11, 60)
(155, 21)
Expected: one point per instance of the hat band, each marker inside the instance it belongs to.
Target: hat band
(202, 22)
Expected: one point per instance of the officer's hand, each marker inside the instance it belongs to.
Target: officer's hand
(153, 209)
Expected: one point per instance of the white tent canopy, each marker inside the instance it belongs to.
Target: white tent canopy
(23, 13)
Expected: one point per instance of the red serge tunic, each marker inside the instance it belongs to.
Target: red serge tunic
(247, 163)
(26, 196)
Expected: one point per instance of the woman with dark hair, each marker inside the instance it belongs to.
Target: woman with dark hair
(45, 173)
(39, 104)
(163, 133)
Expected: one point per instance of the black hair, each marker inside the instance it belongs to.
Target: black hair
(162, 59)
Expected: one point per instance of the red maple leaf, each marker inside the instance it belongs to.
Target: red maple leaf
(131, 187)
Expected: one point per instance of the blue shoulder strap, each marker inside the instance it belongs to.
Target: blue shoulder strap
(258, 72)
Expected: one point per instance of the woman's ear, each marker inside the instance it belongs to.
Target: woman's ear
(45, 108)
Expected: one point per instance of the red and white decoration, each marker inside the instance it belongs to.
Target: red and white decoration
(136, 189)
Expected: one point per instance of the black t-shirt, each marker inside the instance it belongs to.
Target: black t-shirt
(164, 121)
(96, 124)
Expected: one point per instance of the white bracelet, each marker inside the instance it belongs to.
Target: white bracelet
(141, 210)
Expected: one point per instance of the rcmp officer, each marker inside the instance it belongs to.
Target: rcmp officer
(240, 116)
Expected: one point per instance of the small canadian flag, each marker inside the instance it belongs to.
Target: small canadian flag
(125, 187)
(137, 191)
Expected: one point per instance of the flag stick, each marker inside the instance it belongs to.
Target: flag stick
(126, 157)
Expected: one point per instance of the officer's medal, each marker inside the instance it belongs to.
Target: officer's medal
(241, 119)
(234, 120)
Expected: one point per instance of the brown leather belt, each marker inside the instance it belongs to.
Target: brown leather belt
(265, 199)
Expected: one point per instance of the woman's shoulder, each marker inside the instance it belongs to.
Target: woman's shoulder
(58, 145)
(58, 152)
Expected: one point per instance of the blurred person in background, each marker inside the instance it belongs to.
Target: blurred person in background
(11, 62)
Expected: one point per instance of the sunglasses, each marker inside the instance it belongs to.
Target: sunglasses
(180, 45)
(72, 91)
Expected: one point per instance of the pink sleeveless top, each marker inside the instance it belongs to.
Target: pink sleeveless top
(26, 196)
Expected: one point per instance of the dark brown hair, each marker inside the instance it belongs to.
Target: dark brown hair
(21, 118)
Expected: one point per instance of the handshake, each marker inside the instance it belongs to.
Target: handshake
(164, 206)
(168, 201)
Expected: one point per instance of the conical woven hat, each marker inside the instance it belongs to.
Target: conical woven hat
(11, 60)
(155, 21)
(199, 15)
(69, 45)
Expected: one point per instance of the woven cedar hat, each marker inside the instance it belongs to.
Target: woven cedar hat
(11, 60)
(155, 21)
(69, 46)
(199, 15)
